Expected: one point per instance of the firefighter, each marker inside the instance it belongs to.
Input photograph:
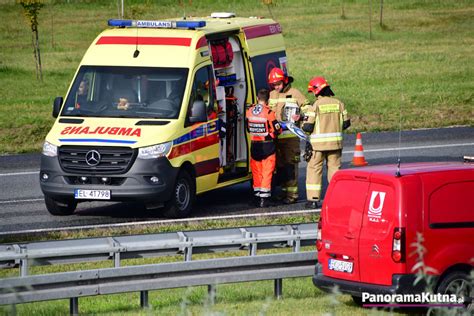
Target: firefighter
(263, 128)
(288, 103)
(325, 120)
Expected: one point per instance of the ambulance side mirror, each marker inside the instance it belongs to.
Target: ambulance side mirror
(198, 112)
(57, 106)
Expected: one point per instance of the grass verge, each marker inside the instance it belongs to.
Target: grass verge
(420, 59)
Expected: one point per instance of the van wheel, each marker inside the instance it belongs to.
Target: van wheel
(183, 196)
(458, 283)
(55, 207)
(357, 300)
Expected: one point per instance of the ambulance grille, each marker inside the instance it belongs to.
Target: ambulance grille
(113, 160)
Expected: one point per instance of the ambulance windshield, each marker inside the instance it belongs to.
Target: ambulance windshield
(141, 92)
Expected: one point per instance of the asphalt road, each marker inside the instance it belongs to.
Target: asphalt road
(22, 206)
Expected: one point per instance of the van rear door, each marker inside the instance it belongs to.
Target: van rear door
(341, 219)
(381, 216)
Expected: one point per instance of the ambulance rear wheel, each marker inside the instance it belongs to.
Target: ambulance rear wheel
(55, 207)
(182, 198)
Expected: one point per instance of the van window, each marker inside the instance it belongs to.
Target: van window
(346, 203)
(141, 92)
(452, 204)
(202, 89)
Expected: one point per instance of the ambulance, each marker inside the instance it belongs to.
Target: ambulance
(155, 112)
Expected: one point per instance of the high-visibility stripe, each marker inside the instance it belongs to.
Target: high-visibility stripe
(329, 108)
(292, 189)
(261, 30)
(325, 135)
(328, 139)
(282, 100)
(258, 135)
(312, 114)
(137, 40)
(257, 119)
(201, 43)
(265, 194)
(315, 187)
(207, 167)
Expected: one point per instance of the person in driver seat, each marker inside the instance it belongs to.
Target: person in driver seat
(124, 94)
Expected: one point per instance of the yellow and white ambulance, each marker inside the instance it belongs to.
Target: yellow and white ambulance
(155, 112)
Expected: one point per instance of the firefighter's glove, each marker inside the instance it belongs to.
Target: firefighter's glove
(308, 152)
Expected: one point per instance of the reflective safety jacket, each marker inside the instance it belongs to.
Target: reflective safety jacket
(277, 103)
(325, 119)
(263, 128)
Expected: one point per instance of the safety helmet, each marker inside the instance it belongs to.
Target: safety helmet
(317, 84)
(277, 75)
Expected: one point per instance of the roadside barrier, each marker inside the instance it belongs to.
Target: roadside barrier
(75, 284)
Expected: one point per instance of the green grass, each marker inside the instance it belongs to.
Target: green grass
(420, 60)
(300, 297)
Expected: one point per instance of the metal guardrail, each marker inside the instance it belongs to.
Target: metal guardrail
(156, 276)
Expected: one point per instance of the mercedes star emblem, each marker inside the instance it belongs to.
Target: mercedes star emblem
(92, 158)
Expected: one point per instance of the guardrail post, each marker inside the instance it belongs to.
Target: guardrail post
(116, 253)
(297, 242)
(188, 248)
(253, 245)
(23, 263)
(74, 306)
(211, 292)
(13, 310)
(278, 287)
(144, 299)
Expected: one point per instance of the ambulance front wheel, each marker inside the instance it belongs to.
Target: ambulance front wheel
(182, 198)
(66, 207)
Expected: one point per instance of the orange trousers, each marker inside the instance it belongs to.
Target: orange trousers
(262, 172)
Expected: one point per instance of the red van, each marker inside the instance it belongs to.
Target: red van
(369, 224)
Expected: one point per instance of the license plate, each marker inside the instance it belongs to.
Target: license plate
(91, 194)
(339, 265)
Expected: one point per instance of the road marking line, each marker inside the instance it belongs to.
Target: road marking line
(18, 173)
(344, 152)
(411, 148)
(20, 201)
(165, 221)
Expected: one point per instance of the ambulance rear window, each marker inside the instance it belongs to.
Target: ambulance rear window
(141, 92)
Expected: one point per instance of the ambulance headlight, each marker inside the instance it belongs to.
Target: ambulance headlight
(155, 151)
(50, 150)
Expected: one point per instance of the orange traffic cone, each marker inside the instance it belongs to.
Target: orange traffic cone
(359, 160)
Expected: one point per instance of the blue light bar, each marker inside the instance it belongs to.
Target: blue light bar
(190, 24)
(120, 23)
(157, 24)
